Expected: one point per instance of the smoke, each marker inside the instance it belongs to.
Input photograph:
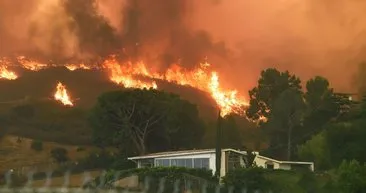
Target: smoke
(240, 38)
(313, 37)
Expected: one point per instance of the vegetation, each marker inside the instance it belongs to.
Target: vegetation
(59, 154)
(288, 122)
(37, 145)
(251, 180)
(145, 121)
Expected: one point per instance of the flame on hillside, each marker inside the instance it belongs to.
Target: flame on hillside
(5, 73)
(73, 67)
(62, 95)
(201, 78)
(129, 75)
(30, 64)
(125, 74)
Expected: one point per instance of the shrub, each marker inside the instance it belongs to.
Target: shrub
(97, 160)
(78, 149)
(171, 175)
(252, 179)
(351, 177)
(37, 145)
(59, 154)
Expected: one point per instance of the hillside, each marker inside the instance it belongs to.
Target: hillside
(16, 155)
(51, 121)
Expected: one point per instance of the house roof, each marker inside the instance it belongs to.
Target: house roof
(181, 153)
(283, 162)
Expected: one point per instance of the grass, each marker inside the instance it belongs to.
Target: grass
(75, 180)
(14, 155)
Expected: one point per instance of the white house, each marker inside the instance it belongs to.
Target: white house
(270, 163)
(206, 158)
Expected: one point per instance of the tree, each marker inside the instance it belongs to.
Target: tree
(316, 150)
(231, 136)
(218, 145)
(287, 114)
(323, 105)
(145, 120)
(346, 141)
(279, 99)
(270, 85)
(351, 177)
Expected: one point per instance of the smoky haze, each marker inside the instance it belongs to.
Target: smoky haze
(239, 37)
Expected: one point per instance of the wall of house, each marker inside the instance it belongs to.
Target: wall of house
(284, 166)
(260, 162)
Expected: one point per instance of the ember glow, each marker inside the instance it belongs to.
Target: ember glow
(138, 75)
(62, 95)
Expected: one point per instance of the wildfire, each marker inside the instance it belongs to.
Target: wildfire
(30, 64)
(201, 78)
(73, 67)
(138, 75)
(62, 95)
(124, 74)
(4, 72)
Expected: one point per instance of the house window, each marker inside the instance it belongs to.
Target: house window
(189, 163)
(201, 163)
(165, 162)
(233, 161)
(147, 163)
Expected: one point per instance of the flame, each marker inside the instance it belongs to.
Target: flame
(4, 72)
(62, 95)
(130, 75)
(124, 74)
(30, 64)
(73, 67)
(200, 78)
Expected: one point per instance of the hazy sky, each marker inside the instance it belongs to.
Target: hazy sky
(306, 37)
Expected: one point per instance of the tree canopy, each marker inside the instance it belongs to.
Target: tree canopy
(145, 121)
(270, 85)
(287, 114)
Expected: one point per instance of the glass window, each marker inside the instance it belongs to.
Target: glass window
(159, 162)
(174, 162)
(147, 163)
(197, 163)
(188, 163)
(205, 163)
(163, 162)
(201, 163)
(181, 163)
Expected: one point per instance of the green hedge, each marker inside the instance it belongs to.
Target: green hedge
(171, 175)
(251, 179)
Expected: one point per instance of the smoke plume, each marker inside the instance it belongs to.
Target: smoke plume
(240, 38)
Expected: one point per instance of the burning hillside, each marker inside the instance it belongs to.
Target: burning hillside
(138, 75)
